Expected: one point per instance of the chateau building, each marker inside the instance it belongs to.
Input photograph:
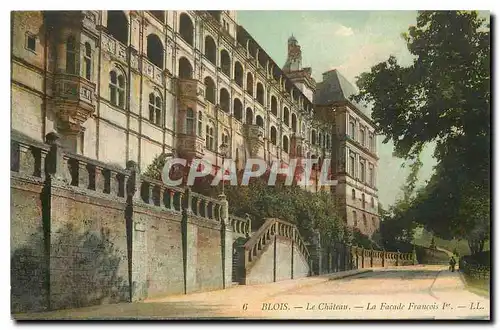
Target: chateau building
(130, 85)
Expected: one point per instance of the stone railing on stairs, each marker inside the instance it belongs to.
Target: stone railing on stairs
(241, 226)
(266, 236)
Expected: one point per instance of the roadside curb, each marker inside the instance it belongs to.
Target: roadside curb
(341, 276)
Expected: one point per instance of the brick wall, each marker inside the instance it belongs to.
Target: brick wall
(88, 257)
(29, 290)
(81, 237)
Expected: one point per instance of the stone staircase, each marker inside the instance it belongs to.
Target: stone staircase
(247, 253)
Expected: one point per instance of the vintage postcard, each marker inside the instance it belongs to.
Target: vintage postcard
(232, 164)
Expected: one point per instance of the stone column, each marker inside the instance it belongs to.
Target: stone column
(56, 167)
(226, 243)
(136, 235)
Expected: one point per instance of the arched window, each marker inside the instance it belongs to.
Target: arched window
(185, 69)
(159, 14)
(274, 105)
(260, 93)
(353, 194)
(294, 123)
(237, 109)
(186, 28)
(363, 199)
(200, 123)
(224, 100)
(274, 134)
(155, 108)
(259, 121)
(365, 223)
(327, 140)
(374, 222)
(225, 63)
(190, 128)
(209, 90)
(355, 218)
(299, 151)
(313, 137)
(209, 136)
(210, 50)
(249, 84)
(155, 50)
(117, 89)
(285, 143)
(320, 139)
(87, 62)
(238, 73)
(249, 116)
(286, 116)
(118, 25)
(71, 59)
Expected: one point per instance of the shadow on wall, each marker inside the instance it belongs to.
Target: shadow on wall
(84, 268)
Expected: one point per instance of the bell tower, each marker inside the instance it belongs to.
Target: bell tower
(293, 69)
(294, 59)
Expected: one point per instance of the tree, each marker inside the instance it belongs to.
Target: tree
(442, 97)
(309, 211)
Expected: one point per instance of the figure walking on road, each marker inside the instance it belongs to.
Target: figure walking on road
(452, 263)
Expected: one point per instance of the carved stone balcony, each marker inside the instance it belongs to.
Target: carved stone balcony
(191, 89)
(191, 146)
(73, 101)
(254, 136)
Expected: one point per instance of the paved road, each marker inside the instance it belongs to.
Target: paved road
(414, 292)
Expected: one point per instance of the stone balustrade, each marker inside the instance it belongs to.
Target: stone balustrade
(240, 226)
(373, 258)
(35, 160)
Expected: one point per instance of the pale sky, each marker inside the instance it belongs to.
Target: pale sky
(352, 42)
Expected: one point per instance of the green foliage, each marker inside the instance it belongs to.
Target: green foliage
(442, 97)
(155, 169)
(309, 211)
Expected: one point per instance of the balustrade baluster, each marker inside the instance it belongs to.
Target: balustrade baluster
(26, 160)
(43, 157)
(83, 175)
(198, 202)
(99, 179)
(114, 184)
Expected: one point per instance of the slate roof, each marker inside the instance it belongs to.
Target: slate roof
(335, 87)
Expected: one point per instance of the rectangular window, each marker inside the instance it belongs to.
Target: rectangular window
(371, 176)
(31, 42)
(352, 129)
(82, 139)
(351, 165)
(362, 170)
(370, 143)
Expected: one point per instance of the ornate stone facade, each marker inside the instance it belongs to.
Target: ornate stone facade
(123, 86)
